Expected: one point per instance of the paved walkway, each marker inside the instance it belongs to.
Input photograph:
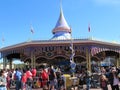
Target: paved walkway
(80, 89)
(109, 88)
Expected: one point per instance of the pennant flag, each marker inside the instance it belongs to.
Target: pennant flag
(3, 39)
(32, 30)
(89, 28)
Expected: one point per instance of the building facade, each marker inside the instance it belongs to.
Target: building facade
(57, 49)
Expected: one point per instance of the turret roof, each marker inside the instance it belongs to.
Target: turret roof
(61, 24)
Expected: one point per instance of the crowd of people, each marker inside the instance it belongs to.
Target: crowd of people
(112, 76)
(50, 78)
(28, 78)
(106, 76)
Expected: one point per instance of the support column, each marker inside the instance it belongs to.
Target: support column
(88, 58)
(99, 63)
(10, 63)
(118, 60)
(4, 62)
(33, 62)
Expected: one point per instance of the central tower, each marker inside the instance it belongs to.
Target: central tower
(62, 30)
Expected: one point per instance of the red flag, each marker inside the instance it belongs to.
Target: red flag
(89, 28)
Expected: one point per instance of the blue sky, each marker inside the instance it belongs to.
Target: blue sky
(16, 17)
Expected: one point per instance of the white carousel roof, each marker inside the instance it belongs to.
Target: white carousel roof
(61, 30)
(61, 36)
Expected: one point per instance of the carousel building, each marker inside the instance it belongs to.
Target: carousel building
(57, 50)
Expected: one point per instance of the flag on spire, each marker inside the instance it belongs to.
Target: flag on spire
(89, 28)
(32, 30)
(3, 39)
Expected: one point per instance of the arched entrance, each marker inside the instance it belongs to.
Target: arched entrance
(41, 61)
(62, 62)
(80, 62)
(104, 59)
(10, 58)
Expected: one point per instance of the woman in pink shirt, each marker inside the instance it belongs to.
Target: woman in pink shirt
(29, 79)
(23, 81)
(33, 72)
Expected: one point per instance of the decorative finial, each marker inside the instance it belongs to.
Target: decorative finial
(61, 11)
(60, 3)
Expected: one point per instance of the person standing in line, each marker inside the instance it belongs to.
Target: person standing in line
(23, 80)
(52, 78)
(103, 82)
(18, 75)
(2, 81)
(8, 82)
(87, 78)
(45, 77)
(29, 79)
(34, 72)
(113, 79)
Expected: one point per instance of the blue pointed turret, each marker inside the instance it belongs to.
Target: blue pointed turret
(61, 30)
